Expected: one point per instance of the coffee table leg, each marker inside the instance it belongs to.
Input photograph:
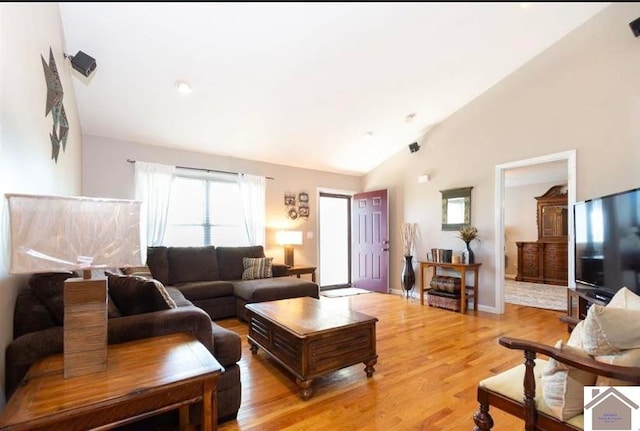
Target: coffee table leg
(305, 388)
(369, 367)
(254, 347)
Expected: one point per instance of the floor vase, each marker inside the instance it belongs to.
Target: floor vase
(408, 275)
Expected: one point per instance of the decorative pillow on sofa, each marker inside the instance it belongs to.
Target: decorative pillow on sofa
(137, 295)
(563, 385)
(256, 267)
(142, 271)
(49, 289)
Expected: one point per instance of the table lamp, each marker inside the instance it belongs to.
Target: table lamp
(289, 238)
(56, 233)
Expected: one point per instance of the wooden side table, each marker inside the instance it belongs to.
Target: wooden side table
(299, 270)
(462, 268)
(143, 378)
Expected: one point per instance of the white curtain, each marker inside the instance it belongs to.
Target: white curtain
(252, 192)
(153, 188)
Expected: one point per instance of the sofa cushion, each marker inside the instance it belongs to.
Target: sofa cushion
(205, 289)
(230, 260)
(192, 264)
(624, 298)
(271, 289)
(49, 289)
(158, 263)
(178, 297)
(137, 295)
(256, 267)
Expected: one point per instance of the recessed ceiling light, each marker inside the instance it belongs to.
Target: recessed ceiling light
(183, 87)
(526, 5)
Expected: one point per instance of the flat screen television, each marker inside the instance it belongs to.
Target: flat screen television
(607, 243)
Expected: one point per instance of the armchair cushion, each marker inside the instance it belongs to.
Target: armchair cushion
(563, 385)
(509, 384)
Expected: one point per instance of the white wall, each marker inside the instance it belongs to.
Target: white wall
(28, 30)
(583, 93)
(106, 173)
(520, 214)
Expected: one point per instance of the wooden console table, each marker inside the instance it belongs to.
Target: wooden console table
(462, 268)
(143, 378)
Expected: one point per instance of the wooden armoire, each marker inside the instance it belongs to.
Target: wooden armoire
(545, 260)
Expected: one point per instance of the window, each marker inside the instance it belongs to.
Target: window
(205, 210)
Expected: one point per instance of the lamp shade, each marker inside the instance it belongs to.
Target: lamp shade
(289, 237)
(56, 233)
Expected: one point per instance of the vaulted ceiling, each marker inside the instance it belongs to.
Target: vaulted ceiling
(338, 87)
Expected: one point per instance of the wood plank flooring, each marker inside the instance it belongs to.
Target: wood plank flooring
(429, 363)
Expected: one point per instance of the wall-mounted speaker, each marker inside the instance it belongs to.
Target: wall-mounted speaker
(414, 147)
(83, 63)
(635, 27)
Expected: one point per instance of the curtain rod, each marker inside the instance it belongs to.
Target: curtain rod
(204, 169)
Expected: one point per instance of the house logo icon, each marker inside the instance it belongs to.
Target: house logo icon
(609, 409)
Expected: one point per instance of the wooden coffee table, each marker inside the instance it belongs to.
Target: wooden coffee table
(143, 378)
(310, 338)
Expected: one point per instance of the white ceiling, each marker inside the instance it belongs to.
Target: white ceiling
(298, 84)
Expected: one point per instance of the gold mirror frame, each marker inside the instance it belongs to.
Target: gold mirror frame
(447, 196)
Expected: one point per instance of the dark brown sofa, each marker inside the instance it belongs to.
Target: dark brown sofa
(211, 278)
(38, 333)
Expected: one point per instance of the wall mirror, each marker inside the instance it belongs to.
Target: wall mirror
(456, 208)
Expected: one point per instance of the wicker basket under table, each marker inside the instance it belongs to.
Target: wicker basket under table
(450, 301)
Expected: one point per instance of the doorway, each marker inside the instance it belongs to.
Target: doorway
(499, 254)
(334, 230)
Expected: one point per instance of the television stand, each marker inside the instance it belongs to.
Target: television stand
(578, 302)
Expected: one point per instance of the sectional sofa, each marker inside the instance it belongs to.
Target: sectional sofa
(38, 330)
(212, 278)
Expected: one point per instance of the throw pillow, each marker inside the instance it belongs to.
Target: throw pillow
(624, 298)
(575, 339)
(137, 295)
(256, 267)
(609, 330)
(49, 289)
(563, 385)
(142, 271)
(627, 358)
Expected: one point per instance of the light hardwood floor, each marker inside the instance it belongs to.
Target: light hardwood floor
(429, 363)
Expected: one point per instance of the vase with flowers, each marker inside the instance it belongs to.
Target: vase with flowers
(468, 233)
(408, 242)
